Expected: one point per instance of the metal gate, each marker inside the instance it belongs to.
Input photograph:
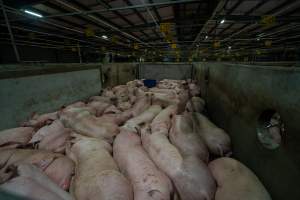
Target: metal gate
(165, 71)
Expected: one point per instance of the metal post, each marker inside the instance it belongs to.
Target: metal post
(79, 53)
(10, 33)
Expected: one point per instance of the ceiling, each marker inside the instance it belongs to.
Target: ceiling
(195, 27)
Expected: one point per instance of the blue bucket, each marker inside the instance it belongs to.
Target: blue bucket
(149, 83)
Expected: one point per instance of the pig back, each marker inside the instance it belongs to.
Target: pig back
(235, 181)
(97, 175)
(148, 182)
(184, 137)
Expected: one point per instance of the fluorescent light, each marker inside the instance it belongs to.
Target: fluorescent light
(104, 37)
(33, 13)
(222, 22)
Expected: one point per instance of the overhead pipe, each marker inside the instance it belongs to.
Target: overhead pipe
(49, 34)
(122, 8)
(10, 32)
(281, 30)
(15, 11)
(254, 25)
(221, 4)
(101, 21)
(153, 18)
(51, 23)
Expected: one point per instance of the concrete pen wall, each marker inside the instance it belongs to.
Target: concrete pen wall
(236, 96)
(25, 89)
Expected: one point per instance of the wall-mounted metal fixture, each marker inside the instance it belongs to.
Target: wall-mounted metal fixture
(270, 129)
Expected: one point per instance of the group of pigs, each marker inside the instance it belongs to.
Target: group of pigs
(131, 142)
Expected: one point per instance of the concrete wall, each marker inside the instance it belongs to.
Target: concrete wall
(28, 89)
(118, 73)
(159, 71)
(236, 95)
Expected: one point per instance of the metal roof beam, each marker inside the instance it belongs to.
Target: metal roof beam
(232, 9)
(123, 8)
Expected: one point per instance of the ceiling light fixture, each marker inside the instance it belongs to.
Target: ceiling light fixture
(229, 47)
(222, 21)
(33, 13)
(206, 37)
(104, 37)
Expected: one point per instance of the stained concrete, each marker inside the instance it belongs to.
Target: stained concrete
(118, 73)
(159, 71)
(236, 95)
(44, 92)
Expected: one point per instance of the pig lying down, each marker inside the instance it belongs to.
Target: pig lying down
(51, 137)
(58, 167)
(148, 181)
(128, 143)
(32, 183)
(96, 174)
(15, 137)
(235, 181)
(190, 175)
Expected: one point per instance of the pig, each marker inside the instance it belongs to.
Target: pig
(15, 137)
(60, 171)
(32, 183)
(163, 91)
(108, 93)
(102, 99)
(164, 99)
(52, 137)
(86, 124)
(145, 117)
(97, 175)
(188, 142)
(135, 83)
(169, 84)
(77, 104)
(40, 158)
(74, 108)
(139, 93)
(99, 106)
(183, 97)
(195, 104)
(37, 121)
(194, 89)
(121, 92)
(149, 183)
(162, 123)
(216, 139)
(112, 110)
(118, 119)
(140, 105)
(124, 105)
(235, 181)
(191, 176)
